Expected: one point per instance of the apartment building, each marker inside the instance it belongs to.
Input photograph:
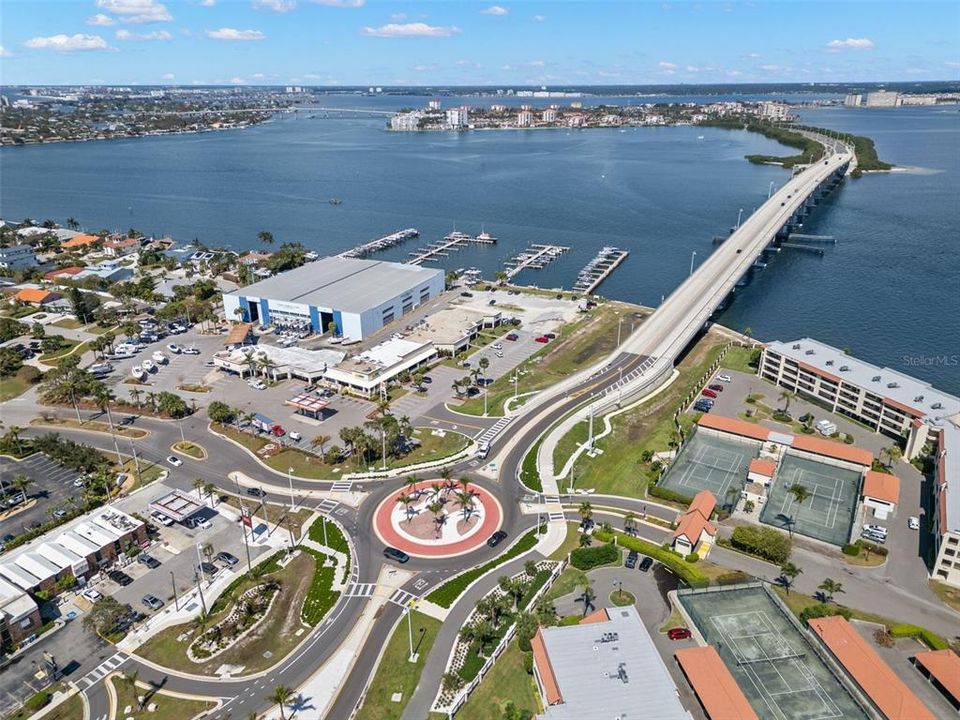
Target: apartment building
(945, 523)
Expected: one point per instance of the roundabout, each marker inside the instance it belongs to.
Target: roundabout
(437, 519)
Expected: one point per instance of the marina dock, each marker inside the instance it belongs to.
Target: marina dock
(535, 257)
(451, 243)
(388, 241)
(812, 238)
(599, 269)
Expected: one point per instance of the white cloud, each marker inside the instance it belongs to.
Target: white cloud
(397, 17)
(951, 64)
(771, 68)
(280, 6)
(208, 3)
(851, 43)
(341, 3)
(411, 30)
(237, 81)
(143, 37)
(667, 67)
(495, 10)
(233, 34)
(168, 76)
(101, 20)
(539, 18)
(424, 68)
(505, 67)
(68, 43)
(4, 52)
(259, 76)
(753, 56)
(537, 63)
(136, 11)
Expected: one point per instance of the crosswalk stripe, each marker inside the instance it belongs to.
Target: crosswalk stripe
(402, 597)
(101, 670)
(355, 589)
(491, 432)
(327, 506)
(342, 486)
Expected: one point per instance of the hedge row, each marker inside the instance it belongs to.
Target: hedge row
(680, 567)
(663, 493)
(823, 610)
(529, 475)
(928, 638)
(764, 542)
(854, 549)
(587, 558)
(446, 594)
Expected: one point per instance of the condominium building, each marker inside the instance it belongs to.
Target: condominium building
(882, 98)
(406, 122)
(945, 521)
(853, 100)
(458, 118)
(524, 118)
(17, 256)
(773, 111)
(549, 115)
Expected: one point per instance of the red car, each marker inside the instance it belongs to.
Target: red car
(678, 633)
(542, 339)
(708, 393)
(513, 336)
(716, 388)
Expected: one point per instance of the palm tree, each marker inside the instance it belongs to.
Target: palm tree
(13, 434)
(209, 488)
(484, 363)
(830, 588)
(72, 223)
(789, 573)
(466, 503)
(586, 511)
(151, 398)
(265, 236)
(445, 473)
(198, 485)
(248, 418)
(280, 694)
(786, 396)
(456, 387)
(319, 441)
(630, 522)
(586, 540)
(587, 596)
(438, 517)
(20, 482)
(892, 453)
(410, 482)
(405, 500)
(135, 394)
(103, 397)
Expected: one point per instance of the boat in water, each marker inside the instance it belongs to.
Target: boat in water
(335, 201)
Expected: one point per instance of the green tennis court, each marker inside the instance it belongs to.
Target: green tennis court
(710, 463)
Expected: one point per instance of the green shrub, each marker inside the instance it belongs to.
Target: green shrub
(928, 638)
(692, 557)
(529, 475)
(680, 567)
(851, 549)
(874, 548)
(38, 701)
(823, 610)
(587, 558)
(666, 494)
(569, 620)
(320, 597)
(528, 662)
(765, 543)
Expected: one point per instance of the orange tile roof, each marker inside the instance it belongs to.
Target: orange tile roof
(80, 241)
(597, 617)
(691, 525)
(887, 691)
(704, 503)
(829, 448)
(763, 466)
(545, 670)
(944, 665)
(719, 693)
(33, 295)
(732, 425)
(63, 271)
(881, 486)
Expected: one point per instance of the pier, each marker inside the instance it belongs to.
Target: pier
(451, 243)
(535, 257)
(812, 238)
(388, 241)
(599, 269)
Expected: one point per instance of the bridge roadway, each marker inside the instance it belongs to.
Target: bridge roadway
(643, 360)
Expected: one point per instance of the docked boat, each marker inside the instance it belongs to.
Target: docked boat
(148, 366)
(138, 372)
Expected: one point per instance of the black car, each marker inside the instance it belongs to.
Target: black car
(466, 294)
(256, 492)
(208, 569)
(227, 559)
(631, 562)
(498, 537)
(392, 553)
(645, 564)
(120, 578)
(149, 560)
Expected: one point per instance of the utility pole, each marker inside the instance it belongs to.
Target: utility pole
(324, 525)
(203, 603)
(293, 503)
(484, 400)
(739, 215)
(243, 528)
(516, 379)
(412, 658)
(136, 462)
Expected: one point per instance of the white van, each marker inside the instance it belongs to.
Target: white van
(483, 449)
(826, 428)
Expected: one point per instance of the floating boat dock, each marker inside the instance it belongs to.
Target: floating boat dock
(388, 241)
(451, 243)
(535, 257)
(599, 269)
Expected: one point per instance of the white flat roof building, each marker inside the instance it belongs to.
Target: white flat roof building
(308, 365)
(37, 565)
(357, 297)
(15, 604)
(365, 373)
(18, 576)
(64, 558)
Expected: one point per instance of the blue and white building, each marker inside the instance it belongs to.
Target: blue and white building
(358, 297)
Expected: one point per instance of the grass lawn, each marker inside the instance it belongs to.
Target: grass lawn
(69, 323)
(21, 311)
(191, 449)
(278, 633)
(15, 385)
(395, 674)
(568, 581)
(93, 425)
(71, 709)
(167, 705)
(148, 472)
(675, 620)
(619, 470)
(622, 599)
(507, 681)
(95, 329)
(578, 345)
(68, 347)
(274, 514)
(742, 359)
(949, 595)
(571, 542)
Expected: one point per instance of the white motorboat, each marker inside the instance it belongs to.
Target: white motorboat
(138, 372)
(148, 366)
(159, 358)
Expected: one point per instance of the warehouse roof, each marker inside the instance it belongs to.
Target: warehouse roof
(342, 283)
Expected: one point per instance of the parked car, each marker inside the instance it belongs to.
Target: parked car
(152, 602)
(174, 348)
(498, 346)
(707, 392)
(295, 436)
(678, 633)
(513, 337)
(427, 379)
(208, 569)
(149, 560)
(120, 577)
(59, 513)
(162, 519)
(724, 378)
(78, 483)
(174, 460)
(550, 336)
(466, 294)
(256, 492)
(498, 537)
(227, 559)
(716, 387)
(913, 523)
(877, 529)
(645, 564)
(873, 537)
(631, 562)
(541, 339)
(204, 523)
(256, 384)
(91, 595)
(392, 553)
(191, 351)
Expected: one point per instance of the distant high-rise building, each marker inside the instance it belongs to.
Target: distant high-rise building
(883, 98)
(524, 118)
(773, 111)
(433, 105)
(405, 122)
(550, 115)
(458, 117)
(853, 100)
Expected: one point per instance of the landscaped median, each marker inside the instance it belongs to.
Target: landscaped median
(139, 701)
(190, 449)
(686, 571)
(257, 620)
(90, 426)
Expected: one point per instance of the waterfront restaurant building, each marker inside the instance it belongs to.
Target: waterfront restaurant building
(358, 296)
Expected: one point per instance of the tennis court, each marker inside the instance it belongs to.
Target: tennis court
(710, 463)
(778, 671)
(827, 514)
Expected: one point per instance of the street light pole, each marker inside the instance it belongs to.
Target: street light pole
(739, 215)
(516, 379)
(410, 629)
(770, 191)
(619, 327)
(176, 600)
(484, 400)
(692, 257)
(290, 482)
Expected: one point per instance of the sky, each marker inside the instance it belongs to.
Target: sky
(524, 42)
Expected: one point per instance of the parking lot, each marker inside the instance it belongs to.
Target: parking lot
(50, 484)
